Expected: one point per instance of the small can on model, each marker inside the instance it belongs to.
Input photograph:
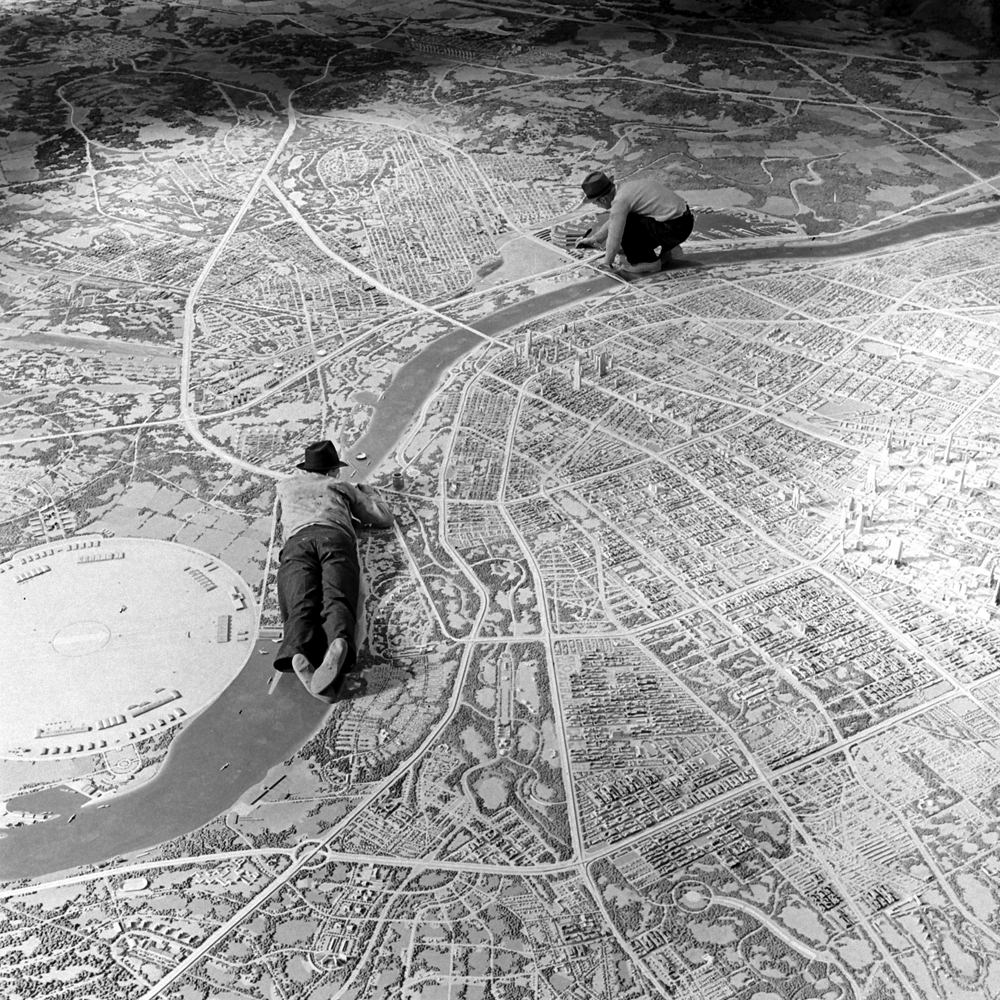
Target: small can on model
(398, 482)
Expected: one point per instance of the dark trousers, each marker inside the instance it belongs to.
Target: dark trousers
(643, 235)
(318, 582)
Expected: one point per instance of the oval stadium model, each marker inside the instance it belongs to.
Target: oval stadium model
(109, 640)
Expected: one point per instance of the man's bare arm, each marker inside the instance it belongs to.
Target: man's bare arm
(616, 229)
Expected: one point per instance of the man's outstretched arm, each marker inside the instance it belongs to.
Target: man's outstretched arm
(368, 508)
(616, 230)
(594, 237)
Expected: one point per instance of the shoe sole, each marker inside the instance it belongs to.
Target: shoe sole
(329, 671)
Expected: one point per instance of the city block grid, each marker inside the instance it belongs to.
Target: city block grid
(679, 669)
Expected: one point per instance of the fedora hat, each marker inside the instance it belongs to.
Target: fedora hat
(596, 184)
(321, 456)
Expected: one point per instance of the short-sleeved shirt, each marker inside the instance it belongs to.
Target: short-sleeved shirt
(308, 498)
(645, 195)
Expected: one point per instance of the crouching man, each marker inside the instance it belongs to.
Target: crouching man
(644, 215)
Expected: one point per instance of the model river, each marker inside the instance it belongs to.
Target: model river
(231, 745)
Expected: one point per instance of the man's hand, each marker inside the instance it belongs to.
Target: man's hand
(591, 239)
(604, 266)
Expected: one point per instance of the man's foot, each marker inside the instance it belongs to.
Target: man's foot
(645, 267)
(328, 672)
(669, 257)
(303, 668)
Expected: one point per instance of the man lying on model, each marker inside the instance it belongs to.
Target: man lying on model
(643, 214)
(319, 576)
